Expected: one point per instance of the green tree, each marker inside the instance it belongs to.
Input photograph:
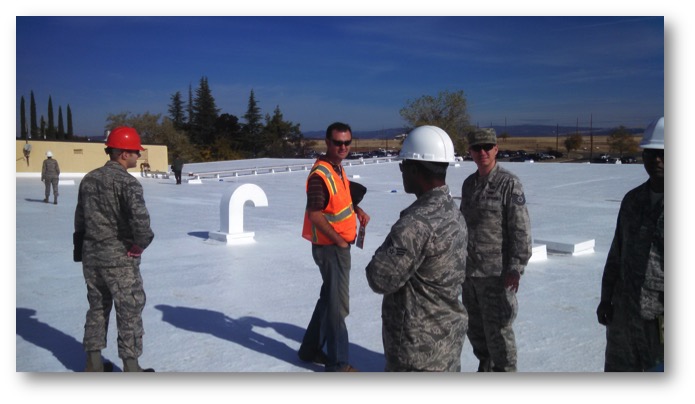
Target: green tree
(621, 140)
(51, 130)
(504, 136)
(573, 142)
(176, 111)
(70, 134)
(61, 127)
(189, 106)
(253, 129)
(205, 114)
(32, 116)
(24, 133)
(281, 138)
(42, 130)
(448, 110)
(157, 130)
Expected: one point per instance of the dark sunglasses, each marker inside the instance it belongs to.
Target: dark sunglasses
(477, 148)
(338, 143)
(651, 154)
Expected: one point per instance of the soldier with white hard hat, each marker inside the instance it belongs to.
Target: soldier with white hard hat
(632, 287)
(50, 175)
(421, 265)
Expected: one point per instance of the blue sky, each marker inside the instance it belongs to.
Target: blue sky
(360, 70)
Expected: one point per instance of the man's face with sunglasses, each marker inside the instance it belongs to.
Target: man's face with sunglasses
(484, 154)
(338, 145)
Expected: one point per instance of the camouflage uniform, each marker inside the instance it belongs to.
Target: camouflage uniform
(499, 241)
(633, 282)
(50, 173)
(420, 268)
(111, 217)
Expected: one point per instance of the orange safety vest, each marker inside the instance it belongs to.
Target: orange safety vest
(339, 212)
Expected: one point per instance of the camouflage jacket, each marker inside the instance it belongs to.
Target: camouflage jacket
(419, 269)
(634, 270)
(499, 227)
(50, 169)
(112, 216)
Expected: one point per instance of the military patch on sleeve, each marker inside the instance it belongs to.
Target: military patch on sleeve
(394, 251)
(519, 199)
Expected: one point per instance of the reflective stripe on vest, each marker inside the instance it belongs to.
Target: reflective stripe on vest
(339, 210)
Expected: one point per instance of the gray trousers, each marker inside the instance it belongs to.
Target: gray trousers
(491, 312)
(51, 182)
(122, 287)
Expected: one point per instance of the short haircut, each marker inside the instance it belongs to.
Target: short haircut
(431, 169)
(337, 126)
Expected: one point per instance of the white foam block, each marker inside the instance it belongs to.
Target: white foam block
(538, 253)
(568, 245)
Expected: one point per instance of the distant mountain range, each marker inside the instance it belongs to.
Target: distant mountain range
(512, 130)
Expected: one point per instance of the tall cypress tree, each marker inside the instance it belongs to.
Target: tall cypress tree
(61, 127)
(51, 130)
(32, 116)
(70, 133)
(23, 121)
(190, 106)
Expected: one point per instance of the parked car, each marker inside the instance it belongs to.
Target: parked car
(523, 159)
(628, 160)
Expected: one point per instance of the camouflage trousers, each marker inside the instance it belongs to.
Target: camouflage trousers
(51, 182)
(491, 312)
(632, 343)
(122, 287)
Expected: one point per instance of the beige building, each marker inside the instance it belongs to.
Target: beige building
(80, 157)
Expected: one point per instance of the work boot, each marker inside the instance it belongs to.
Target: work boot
(55, 200)
(94, 363)
(45, 200)
(347, 368)
(319, 357)
(131, 365)
(485, 365)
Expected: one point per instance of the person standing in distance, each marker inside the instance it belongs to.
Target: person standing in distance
(330, 226)
(50, 173)
(112, 229)
(499, 247)
(177, 167)
(632, 287)
(421, 264)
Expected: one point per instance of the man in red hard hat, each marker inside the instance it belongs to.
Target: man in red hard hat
(112, 229)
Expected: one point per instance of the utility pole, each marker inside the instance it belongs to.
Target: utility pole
(557, 137)
(591, 135)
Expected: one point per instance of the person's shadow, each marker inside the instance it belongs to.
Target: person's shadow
(65, 348)
(34, 200)
(241, 331)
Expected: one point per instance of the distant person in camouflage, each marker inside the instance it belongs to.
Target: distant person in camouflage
(50, 173)
(421, 265)
(499, 247)
(632, 288)
(112, 229)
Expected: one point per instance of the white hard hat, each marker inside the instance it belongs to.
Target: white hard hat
(654, 135)
(49, 154)
(428, 143)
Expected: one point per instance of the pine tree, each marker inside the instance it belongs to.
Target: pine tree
(281, 138)
(253, 128)
(190, 106)
(23, 121)
(42, 130)
(205, 115)
(176, 111)
(70, 133)
(61, 127)
(51, 130)
(32, 116)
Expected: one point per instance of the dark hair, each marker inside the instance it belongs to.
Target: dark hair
(337, 126)
(431, 169)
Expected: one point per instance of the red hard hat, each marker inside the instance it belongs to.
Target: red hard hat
(124, 138)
